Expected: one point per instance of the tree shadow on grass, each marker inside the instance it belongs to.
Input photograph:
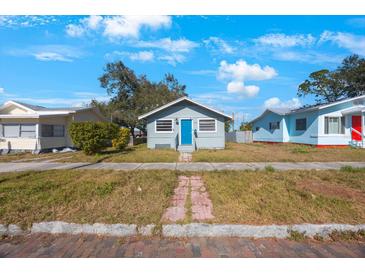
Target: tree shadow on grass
(106, 154)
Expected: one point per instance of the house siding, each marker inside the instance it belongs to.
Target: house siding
(315, 131)
(39, 142)
(264, 134)
(186, 110)
(307, 136)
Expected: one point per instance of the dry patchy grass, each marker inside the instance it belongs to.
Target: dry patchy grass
(262, 197)
(85, 196)
(137, 154)
(261, 152)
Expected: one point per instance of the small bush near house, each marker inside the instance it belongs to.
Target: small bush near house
(122, 140)
(92, 137)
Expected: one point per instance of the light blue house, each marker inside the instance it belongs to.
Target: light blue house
(185, 125)
(339, 123)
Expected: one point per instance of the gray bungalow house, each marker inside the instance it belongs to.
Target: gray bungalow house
(185, 125)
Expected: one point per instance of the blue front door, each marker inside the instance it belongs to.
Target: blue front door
(186, 132)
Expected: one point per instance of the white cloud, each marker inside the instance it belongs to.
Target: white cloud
(25, 21)
(61, 53)
(167, 44)
(116, 27)
(173, 59)
(351, 42)
(2, 90)
(218, 45)
(171, 51)
(84, 26)
(239, 87)
(75, 30)
(240, 72)
(143, 56)
(130, 26)
(310, 57)
(78, 99)
(202, 72)
(51, 56)
(93, 21)
(275, 102)
(283, 40)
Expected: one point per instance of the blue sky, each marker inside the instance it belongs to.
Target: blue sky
(239, 64)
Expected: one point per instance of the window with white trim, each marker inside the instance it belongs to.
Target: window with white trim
(11, 130)
(207, 125)
(28, 131)
(164, 125)
(19, 130)
(334, 125)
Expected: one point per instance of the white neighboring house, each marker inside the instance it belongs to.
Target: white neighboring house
(25, 127)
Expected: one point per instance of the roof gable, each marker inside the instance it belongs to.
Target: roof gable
(278, 111)
(11, 107)
(178, 101)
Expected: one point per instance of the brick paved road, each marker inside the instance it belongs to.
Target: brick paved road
(46, 245)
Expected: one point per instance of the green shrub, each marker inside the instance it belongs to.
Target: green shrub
(122, 140)
(92, 137)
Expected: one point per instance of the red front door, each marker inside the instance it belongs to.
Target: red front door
(356, 124)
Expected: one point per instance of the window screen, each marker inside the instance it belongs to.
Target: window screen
(301, 124)
(28, 131)
(53, 130)
(58, 131)
(334, 125)
(207, 125)
(47, 131)
(11, 131)
(163, 125)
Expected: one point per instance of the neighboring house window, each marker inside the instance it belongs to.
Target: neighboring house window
(207, 125)
(53, 130)
(11, 130)
(301, 124)
(274, 125)
(28, 131)
(257, 128)
(164, 125)
(334, 125)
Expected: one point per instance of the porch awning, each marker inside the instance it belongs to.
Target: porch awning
(356, 109)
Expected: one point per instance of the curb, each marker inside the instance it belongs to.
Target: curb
(210, 230)
(185, 230)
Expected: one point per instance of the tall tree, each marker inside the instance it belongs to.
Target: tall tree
(325, 85)
(352, 71)
(348, 80)
(135, 95)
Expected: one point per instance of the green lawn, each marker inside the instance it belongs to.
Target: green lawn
(104, 196)
(261, 152)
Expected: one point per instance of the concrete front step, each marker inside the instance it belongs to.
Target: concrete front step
(185, 148)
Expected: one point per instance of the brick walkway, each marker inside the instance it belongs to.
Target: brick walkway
(201, 205)
(47, 245)
(185, 157)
